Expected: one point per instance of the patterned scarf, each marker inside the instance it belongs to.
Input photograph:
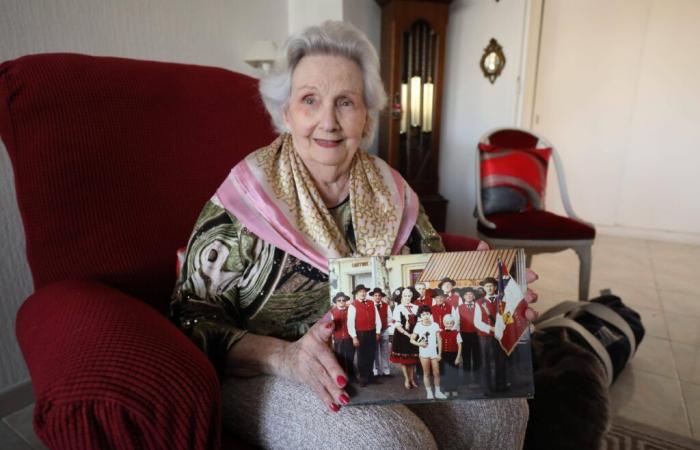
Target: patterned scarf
(273, 195)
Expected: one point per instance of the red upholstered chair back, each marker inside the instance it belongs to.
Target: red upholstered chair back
(511, 138)
(512, 181)
(114, 158)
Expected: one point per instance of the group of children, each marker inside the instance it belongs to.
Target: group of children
(444, 330)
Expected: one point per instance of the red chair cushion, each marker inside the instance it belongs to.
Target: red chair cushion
(513, 179)
(536, 225)
(113, 159)
(458, 243)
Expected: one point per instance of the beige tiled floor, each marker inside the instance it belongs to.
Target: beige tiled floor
(661, 386)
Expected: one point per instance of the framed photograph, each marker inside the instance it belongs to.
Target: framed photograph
(432, 327)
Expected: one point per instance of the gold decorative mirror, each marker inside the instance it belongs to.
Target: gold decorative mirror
(493, 60)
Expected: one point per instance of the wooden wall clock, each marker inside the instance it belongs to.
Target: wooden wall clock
(412, 64)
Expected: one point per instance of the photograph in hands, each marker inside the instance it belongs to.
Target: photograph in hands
(432, 327)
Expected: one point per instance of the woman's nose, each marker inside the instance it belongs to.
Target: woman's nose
(329, 120)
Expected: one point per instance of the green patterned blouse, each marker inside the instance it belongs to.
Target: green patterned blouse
(233, 282)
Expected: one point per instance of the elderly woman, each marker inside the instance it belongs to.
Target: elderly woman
(253, 291)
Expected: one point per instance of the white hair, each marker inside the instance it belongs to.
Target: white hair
(330, 38)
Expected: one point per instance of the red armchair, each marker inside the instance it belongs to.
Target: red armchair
(113, 160)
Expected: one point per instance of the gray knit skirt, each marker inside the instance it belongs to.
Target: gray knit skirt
(276, 413)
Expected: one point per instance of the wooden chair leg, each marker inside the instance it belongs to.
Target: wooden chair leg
(584, 273)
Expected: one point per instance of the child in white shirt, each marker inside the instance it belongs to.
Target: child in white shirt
(426, 335)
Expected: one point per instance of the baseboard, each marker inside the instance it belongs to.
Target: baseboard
(16, 398)
(654, 235)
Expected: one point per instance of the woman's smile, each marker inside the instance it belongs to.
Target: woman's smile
(328, 143)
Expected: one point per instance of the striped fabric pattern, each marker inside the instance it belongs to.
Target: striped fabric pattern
(522, 172)
(466, 268)
(110, 372)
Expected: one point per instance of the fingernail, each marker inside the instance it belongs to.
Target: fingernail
(341, 381)
(329, 325)
(344, 399)
(334, 407)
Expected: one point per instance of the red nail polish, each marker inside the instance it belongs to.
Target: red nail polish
(329, 325)
(334, 407)
(344, 399)
(341, 381)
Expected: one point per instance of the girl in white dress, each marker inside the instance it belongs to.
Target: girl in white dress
(426, 335)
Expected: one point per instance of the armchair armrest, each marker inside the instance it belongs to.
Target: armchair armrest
(111, 372)
(457, 243)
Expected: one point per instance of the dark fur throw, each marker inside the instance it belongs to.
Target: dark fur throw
(571, 408)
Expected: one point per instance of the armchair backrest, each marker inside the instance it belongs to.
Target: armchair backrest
(114, 158)
(511, 138)
(519, 139)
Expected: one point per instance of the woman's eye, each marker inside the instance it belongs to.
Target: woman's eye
(345, 102)
(308, 100)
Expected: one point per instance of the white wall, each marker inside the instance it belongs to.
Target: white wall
(367, 16)
(661, 182)
(304, 13)
(585, 96)
(471, 104)
(215, 32)
(619, 93)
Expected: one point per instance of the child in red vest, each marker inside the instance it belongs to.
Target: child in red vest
(451, 356)
(342, 342)
(440, 308)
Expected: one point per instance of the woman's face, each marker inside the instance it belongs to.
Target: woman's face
(406, 296)
(326, 114)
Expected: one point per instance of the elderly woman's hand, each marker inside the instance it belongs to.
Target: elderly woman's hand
(530, 277)
(311, 361)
